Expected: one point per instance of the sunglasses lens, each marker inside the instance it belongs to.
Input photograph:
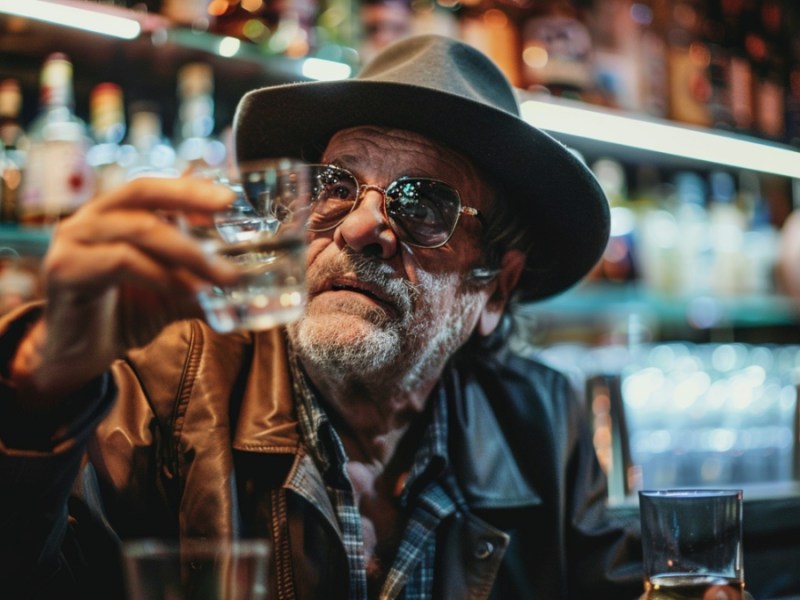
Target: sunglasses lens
(333, 193)
(424, 212)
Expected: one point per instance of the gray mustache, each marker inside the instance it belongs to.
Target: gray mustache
(377, 273)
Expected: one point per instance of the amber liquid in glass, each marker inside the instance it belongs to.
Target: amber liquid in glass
(693, 587)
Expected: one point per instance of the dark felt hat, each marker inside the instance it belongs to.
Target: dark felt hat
(450, 92)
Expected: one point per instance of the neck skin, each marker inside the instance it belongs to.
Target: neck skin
(372, 416)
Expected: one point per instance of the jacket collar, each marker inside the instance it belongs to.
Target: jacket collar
(267, 420)
(484, 465)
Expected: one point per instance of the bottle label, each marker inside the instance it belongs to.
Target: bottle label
(690, 89)
(58, 181)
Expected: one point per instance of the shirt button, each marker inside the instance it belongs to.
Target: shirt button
(483, 550)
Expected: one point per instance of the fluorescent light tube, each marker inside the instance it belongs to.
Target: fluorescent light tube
(325, 70)
(661, 137)
(73, 16)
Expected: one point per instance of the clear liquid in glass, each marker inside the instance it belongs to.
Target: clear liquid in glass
(271, 291)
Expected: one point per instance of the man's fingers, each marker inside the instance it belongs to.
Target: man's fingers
(180, 193)
(121, 239)
(98, 268)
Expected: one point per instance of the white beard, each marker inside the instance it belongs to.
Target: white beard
(370, 347)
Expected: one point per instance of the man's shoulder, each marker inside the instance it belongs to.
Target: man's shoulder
(191, 336)
(523, 390)
(186, 357)
(513, 365)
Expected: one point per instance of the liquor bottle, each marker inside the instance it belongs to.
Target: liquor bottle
(12, 134)
(146, 152)
(695, 258)
(792, 119)
(761, 237)
(557, 50)
(716, 37)
(195, 146)
(616, 31)
(58, 178)
(12, 150)
(728, 223)
(769, 56)
(490, 28)
(658, 238)
(792, 103)
(107, 122)
(653, 17)
(382, 23)
(618, 263)
(191, 13)
(740, 74)
(689, 57)
(674, 253)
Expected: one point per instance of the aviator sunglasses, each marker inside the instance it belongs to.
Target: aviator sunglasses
(422, 212)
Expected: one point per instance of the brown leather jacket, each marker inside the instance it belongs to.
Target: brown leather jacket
(196, 437)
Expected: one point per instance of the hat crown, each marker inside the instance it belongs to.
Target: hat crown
(445, 65)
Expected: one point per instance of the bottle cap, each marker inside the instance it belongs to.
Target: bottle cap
(56, 80)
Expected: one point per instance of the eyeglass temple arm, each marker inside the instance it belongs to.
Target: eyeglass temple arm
(473, 212)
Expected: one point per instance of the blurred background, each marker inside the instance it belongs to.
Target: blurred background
(683, 342)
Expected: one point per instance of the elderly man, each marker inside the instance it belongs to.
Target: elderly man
(386, 444)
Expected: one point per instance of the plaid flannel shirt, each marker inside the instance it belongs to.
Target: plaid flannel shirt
(430, 494)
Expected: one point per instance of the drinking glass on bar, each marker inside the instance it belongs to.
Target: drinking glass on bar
(692, 544)
(196, 569)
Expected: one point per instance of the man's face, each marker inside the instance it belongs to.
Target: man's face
(377, 306)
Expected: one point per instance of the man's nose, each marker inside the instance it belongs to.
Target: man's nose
(366, 229)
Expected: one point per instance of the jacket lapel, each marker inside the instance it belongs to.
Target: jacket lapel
(486, 468)
(267, 420)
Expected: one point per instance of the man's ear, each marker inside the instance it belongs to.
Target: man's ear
(511, 266)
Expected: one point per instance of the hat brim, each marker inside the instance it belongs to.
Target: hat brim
(553, 192)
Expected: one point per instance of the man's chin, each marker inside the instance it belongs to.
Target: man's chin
(348, 343)
(334, 330)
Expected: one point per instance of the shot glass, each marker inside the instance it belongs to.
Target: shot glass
(692, 544)
(263, 233)
(196, 569)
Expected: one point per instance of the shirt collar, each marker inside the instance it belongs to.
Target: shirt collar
(319, 437)
(325, 447)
